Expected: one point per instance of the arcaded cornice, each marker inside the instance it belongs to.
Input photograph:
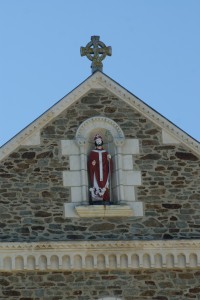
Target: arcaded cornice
(100, 255)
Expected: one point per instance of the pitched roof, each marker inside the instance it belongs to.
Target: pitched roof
(31, 134)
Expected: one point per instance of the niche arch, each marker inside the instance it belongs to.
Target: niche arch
(102, 125)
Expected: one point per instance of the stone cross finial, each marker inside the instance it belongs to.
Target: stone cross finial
(96, 51)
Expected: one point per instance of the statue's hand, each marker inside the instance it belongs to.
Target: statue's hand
(94, 162)
(108, 157)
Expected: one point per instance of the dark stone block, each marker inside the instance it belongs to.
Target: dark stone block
(110, 109)
(75, 228)
(165, 147)
(151, 222)
(171, 205)
(23, 230)
(28, 155)
(90, 100)
(46, 194)
(195, 197)
(167, 236)
(6, 175)
(102, 227)
(45, 154)
(151, 156)
(14, 155)
(149, 142)
(49, 130)
(160, 298)
(75, 237)
(22, 166)
(11, 293)
(4, 282)
(37, 228)
(55, 277)
(109, 277)
(42, 214)
(26, 298)
(186, 276)
(149, 282)
(152, 131)
(186, 156)
(148, 293)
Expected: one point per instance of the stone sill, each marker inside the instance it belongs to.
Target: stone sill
(81, 210)
(92, 211)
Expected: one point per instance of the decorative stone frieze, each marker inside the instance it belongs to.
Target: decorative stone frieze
(100, 255)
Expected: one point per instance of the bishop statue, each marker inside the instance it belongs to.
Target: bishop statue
(100, 168)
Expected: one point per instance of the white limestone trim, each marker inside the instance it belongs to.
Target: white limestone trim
(69, 208)
(32, 140)
(93, 211)
(99, 79)
(128, 178)
(127, 162)
(79, 210)
(131, 146)
(100, 255)
(72, 178)
(130, 194)
(76, 177)
(168, 138)
(69, 147)
(76, 194)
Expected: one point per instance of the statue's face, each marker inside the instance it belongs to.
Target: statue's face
(99, 142)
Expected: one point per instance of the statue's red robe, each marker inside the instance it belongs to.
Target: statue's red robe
(100, 166)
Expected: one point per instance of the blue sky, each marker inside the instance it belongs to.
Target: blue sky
(155, 45)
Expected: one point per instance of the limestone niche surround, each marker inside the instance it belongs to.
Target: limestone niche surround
(124, 177)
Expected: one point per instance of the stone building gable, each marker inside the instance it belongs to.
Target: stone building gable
(45, 254)
(33, 195)
(98, 81)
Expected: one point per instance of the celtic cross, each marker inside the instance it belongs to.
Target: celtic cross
(96, 51)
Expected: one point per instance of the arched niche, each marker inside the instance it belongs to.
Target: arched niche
(113, 138)
(124, 177)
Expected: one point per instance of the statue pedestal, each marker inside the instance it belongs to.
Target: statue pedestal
(92, 211)
(83, 210)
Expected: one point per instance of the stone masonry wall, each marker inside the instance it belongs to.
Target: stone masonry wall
(32, 193)
(127, 285)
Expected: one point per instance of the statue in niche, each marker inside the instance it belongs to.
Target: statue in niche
(100, 169)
